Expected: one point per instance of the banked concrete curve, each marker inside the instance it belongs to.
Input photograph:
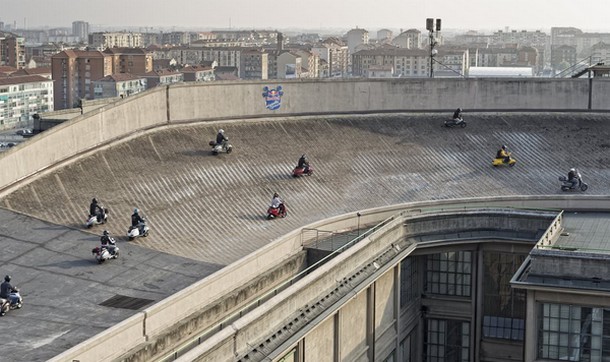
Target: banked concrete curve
(212, 208)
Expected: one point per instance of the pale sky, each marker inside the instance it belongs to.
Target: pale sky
(590, 15)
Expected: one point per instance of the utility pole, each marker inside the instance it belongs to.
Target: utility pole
(431, 28)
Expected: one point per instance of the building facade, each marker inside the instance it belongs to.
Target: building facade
(80, 29)
(254, 64)
(118, 85)
(101, 41)
(73, 74)
(23, 96)
(12, 50)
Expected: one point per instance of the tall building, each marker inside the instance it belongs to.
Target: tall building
(80, 29)
(356, 37)
(101, 41)
(130, 60)
(12, 50)
(410, 39)
(73, 74)
(384, 36)
(23, 96)
(254, 64)
(335, 54)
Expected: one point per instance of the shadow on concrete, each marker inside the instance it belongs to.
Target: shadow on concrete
(69, 264)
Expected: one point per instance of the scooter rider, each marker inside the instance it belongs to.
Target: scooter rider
(277, 203)
(573, 177)
(220, 137)
(96, 209)
(303, 163)
(6, 289)
(503, 154)
(136, 219)
(108, 242)
(457, 115)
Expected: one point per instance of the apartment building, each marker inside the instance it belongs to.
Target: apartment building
(198, 73)
(161, 77)
(335, 53)
(130, 60)
(356, 37)
(384, 36)
(410, 39)
(74, 72)
(289, 65)
(80, 29)
(310, 63)
(12, 50)
(118, 85)
(103, 40)
(254, 64)
(23, 96)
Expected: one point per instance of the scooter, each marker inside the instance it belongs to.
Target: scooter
(221, 147)
(459, 122)
(300, 171)
(567, 185)
(139, 230)
(103, 253)
(277, 212)
(94, 220)
(14, 301)
(501, 162)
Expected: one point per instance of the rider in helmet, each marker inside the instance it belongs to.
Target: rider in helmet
(220, 137)
(108, 242)
(136, 219)
(303, 163)
(457, 115)
(573, 177)
(96, 209)
(276, 202)
(503, 154)
(5, 290)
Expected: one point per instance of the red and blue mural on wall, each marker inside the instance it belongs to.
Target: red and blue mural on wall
(273, 97)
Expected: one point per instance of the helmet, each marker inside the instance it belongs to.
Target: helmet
(94, 200)
(135, 211)
(572, 170)
(460, 109)
(7, 278)
(221, 131)
(303, 156)
(276, 195)
(503, 147)
(106, 232)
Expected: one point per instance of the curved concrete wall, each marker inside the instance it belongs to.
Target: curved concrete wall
(161, 317)
(190, 102)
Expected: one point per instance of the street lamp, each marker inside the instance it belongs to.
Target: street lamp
(430, 27)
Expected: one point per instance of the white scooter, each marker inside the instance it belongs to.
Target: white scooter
(139, 230)
(103, 253)
(14, 301)
(94, 220)
(221, 147)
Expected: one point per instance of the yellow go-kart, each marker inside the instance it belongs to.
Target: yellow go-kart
(497, 162)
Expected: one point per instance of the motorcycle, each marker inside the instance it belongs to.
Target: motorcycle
(14, 301)
(103, 253)
(221, 147)
(501, 162)
(139, 230)
(459, 122)
(95, 220)
(567, 185)
(275, 212)
(300, 171)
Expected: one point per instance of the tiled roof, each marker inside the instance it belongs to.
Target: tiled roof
(118, 77)
(23, 79)
(7, 69)
(33, 71)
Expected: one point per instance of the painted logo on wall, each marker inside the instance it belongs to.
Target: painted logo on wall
(273, 97)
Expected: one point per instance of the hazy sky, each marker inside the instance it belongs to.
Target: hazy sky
(311, 14)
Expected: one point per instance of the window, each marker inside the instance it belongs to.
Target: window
(573, 333)
(503, 306)
(408, 281)
(449, 273)
(447, 341)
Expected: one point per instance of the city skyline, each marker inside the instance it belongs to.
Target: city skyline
(318, 14)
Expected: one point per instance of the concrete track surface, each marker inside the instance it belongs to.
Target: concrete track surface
(212, 208)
